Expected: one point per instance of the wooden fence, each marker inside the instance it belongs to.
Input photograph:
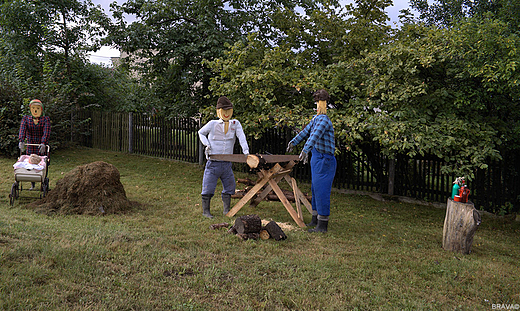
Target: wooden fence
(495, 189)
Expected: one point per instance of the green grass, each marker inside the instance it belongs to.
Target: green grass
(163, 255)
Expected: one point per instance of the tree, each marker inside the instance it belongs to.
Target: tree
(171, 41)
(445, 13)
(43, 45)
(272, 84)
(452, 93)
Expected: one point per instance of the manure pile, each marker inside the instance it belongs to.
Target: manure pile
(92, 189)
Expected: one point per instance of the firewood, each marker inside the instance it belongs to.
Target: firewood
(248, 224)
(249, 236)
(246, 181)
(239, 194)
(232, 230)
(275, 231)
(264, 235)
(255, 161)
(218, 226)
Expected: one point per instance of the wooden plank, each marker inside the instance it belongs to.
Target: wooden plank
(268, 188)
(254, 190)
(242, 158)
(278, 158)
(302, 197)
(296, 198)
(237, 158)
(286, 203)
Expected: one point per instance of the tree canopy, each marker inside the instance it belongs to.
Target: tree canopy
(171, 41)
(451, 92)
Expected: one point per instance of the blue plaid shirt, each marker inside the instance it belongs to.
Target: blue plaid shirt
(320, 133)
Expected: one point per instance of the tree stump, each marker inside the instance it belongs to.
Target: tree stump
(248, 224)
(460, 224)
(275, 231)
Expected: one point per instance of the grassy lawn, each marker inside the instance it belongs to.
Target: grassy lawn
(163, 255)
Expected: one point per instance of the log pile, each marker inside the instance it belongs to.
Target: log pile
(270, 197)
(250, 227)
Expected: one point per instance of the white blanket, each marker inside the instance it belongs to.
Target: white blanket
(23, 162)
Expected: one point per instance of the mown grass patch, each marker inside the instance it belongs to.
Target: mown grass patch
(162, 255)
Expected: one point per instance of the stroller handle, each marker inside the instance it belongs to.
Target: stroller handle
(37, 145)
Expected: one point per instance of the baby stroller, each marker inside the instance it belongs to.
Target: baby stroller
(27, 172)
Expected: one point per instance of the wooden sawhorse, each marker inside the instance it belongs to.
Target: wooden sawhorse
(270, 178)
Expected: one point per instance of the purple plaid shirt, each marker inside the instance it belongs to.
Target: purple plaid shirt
(35, 133)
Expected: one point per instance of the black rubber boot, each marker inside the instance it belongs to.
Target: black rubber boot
(313, 222)
(321, 227)
(206, 200)
(226, 199)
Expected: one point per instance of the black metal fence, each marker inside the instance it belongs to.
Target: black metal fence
(496, 189)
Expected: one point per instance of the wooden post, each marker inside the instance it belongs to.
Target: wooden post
(460, 224)
(130, 133)
(391, 176)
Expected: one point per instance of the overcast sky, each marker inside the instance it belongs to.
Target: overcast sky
(103, 55)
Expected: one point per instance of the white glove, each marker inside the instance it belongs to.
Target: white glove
(41, 149)
(304, 157)
(246, 152)
(290, 147)
(207, 151)
(21, 145)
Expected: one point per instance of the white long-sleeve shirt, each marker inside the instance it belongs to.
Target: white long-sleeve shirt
(212, 135)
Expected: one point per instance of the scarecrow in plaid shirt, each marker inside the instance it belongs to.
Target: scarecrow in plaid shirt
(36, 129)
(320, 134)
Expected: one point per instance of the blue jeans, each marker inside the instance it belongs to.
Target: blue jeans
(215, 170)
(323, 170)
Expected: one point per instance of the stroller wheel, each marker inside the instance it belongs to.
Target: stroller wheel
(44, 191)
(45, 187)
(14, 193)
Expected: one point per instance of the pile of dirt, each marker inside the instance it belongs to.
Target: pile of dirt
(92, 189)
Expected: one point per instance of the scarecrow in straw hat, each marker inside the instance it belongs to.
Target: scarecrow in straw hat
(320, 140)
(34, 129)
(218, 137)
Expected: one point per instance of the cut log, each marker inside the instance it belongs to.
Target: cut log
(254, 161)
(275, 231)
(460, 224)
(249, 236)
(264, 235)
(248, 224)
(218, 226)
(246, 181)
(232, 230)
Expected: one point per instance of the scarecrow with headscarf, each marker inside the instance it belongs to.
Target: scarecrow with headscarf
(320, 140)
(218, 137)
(35, 129)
